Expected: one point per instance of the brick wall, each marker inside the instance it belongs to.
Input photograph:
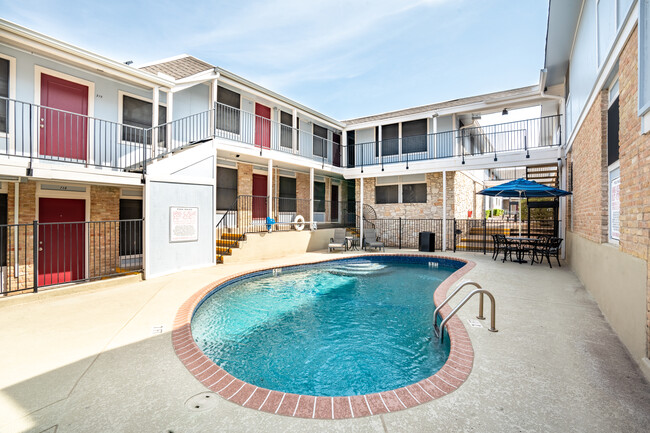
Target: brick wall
(634, 154)
(103, 238)
(589, 156)
(26, 215)
(431, 209)
(590, 178)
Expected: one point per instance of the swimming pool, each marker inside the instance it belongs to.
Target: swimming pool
(351, 328)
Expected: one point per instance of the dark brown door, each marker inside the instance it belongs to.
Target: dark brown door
(335, 203)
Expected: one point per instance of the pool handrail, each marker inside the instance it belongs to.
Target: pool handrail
(439, 330)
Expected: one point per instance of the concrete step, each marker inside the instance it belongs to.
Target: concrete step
(225, 251)
(233, 236)
(227, 243)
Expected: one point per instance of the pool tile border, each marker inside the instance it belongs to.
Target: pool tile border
(446, 380)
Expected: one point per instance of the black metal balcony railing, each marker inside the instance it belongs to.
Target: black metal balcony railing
(45, 254)
(485, 140)
(38, 132)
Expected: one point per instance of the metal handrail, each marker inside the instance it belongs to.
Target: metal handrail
(466, 283)
(492, 327)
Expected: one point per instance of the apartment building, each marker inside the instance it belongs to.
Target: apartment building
(107, 168)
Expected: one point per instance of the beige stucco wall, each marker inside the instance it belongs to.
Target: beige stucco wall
(260, 246)
(617, 281)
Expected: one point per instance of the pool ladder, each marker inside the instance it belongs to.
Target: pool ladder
(438, 330)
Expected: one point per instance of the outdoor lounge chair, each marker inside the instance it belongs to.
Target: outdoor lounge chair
(338, 241)
(371, 240)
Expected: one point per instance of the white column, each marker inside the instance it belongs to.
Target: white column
(380, 144)
(269, 190)
(294, 131)
(213, 103)
(344, 148)
(169, 118)
(146, 229)
(311, 197)
(361, 213)
(154, 120)
(444, 210)
(399, 140)
(435, 136)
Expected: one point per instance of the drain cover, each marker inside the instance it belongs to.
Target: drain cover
(201, 402)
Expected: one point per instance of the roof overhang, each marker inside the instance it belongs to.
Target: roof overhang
(32, 41)
(563, 18)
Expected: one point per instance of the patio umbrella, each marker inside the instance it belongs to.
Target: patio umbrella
(523, 188)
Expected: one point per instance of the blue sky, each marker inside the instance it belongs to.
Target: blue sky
(343, 58)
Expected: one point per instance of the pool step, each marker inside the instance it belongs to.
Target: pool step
(358, 268)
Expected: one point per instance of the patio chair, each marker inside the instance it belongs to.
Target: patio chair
(508, 247)
(552, 248)
(371, 240)
(497, 246)
(539, 248)
(338, 241)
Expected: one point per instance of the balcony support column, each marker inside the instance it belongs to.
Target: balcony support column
(154, 121)
(214, 85)
(361, 213)
(434, 123)
(344, 149)
(311, 198)
(294, 130)
(269, 189)
(168, 119)
(444, 210)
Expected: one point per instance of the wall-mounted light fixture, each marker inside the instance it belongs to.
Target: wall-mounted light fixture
(504, 112)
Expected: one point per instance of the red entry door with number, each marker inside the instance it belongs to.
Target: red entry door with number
(64, 134)
(259, 196)
(61, 247)
(262, 126)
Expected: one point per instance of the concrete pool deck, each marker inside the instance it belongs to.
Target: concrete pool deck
(92, 361)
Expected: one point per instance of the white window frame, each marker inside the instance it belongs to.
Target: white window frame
(612, 94)
(12, 95)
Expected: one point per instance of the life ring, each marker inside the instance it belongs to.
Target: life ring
(299, 222)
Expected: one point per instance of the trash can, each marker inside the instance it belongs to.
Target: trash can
(427, 242)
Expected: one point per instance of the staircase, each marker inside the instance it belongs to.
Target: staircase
(226, 243)
(544, 174)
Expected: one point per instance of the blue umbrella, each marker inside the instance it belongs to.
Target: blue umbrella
(523, 188)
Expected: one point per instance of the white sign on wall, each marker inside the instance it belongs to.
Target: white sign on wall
(615, 207)
(183, 224)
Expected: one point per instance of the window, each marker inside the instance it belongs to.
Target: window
(414, 136)
(286, 130)
(287, 200)
(226, 187)
(228, 105)
(319, 196)
(4, 92)
(130, 231)
(401, 189)
(386, 194)
(139, 113)
(390, 139)
(612, 125)
(351, 152)
(320, 141)
(414, 193)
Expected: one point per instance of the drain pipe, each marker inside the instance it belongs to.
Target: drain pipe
(562, 166)
(444, 210)
(16, 220)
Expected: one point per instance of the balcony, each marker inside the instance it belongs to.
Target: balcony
(36, 132)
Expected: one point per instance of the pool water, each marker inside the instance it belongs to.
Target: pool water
(343, 328)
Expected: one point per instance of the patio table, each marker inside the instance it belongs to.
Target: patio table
(351, 243)
(520, 241)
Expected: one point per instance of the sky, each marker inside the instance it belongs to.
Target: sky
(343, 58)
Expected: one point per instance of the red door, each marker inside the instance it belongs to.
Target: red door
(61, 247)
(262, 126)
(259, 196)
(63, 133)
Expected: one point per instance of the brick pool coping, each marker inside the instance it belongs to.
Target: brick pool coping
(451, 376)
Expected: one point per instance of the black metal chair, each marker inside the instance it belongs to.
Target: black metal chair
(508, 247)
(497, 246)
(550, 248)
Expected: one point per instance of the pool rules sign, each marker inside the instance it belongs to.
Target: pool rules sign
(183, 224)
